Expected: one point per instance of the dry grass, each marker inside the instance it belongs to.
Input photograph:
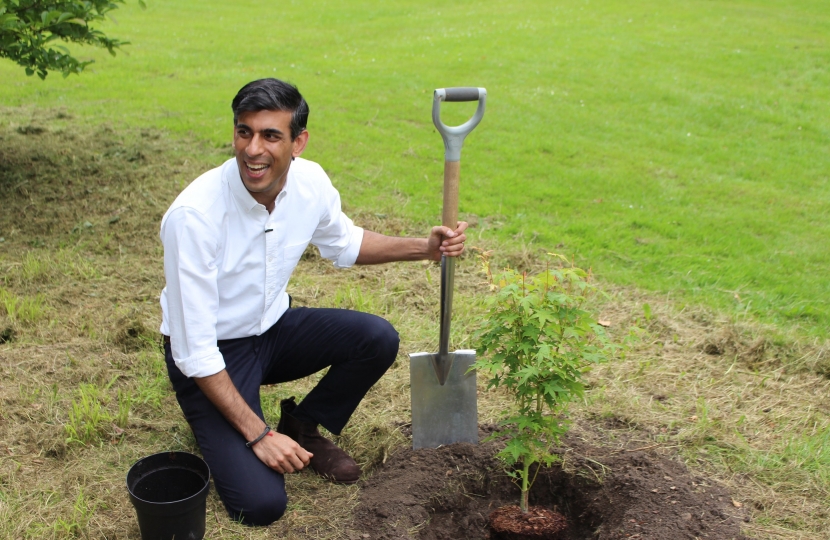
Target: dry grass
(745, 408)
(81, 271)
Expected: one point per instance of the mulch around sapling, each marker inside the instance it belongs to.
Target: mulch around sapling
(538, 523)
(625, 490)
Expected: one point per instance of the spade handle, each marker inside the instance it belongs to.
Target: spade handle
(453, 137)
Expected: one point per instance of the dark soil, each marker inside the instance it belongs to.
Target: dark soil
(624, 490)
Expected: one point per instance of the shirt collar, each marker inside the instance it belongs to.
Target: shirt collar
(241, 194)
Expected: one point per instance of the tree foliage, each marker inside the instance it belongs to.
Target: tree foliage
(536, 341)
(31, 32)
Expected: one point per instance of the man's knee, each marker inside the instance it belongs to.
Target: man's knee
(384, 339)
(260, 510)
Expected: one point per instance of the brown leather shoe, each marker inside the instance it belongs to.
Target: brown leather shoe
(329, 461)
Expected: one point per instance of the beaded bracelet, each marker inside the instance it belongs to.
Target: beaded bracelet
(261, 435)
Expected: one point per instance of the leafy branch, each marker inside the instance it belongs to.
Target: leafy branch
(31, 32)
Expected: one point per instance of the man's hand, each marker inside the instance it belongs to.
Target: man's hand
(281, 453)
(276, 450)
(444, 241)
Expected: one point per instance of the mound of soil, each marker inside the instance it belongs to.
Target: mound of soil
(606, 493)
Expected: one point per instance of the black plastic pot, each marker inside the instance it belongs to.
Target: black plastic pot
(169, 491)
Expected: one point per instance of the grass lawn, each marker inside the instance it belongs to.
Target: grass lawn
(679, 147)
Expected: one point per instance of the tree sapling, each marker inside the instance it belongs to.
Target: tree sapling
(536, 340)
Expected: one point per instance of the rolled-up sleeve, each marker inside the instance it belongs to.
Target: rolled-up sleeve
(337, 237)
(192, 296)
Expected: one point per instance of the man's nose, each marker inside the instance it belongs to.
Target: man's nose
(255, 146)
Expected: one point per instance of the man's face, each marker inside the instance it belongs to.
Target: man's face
(263, 147)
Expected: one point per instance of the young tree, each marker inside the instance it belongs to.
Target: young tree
(536, 341)
(31, 32)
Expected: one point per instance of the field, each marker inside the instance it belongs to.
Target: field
(678, 147)
(679, 150)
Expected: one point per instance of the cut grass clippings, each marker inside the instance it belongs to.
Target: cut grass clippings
(84, 390)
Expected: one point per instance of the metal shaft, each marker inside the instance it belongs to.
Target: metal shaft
(447, 283)
(449, 218)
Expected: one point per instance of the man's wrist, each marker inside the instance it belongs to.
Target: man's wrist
(262, 435)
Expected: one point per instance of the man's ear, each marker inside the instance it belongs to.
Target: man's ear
(299, 144)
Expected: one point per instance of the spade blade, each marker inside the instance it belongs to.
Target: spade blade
(443, 413)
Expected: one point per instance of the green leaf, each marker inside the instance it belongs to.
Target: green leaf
(514, 450)
(8, 19)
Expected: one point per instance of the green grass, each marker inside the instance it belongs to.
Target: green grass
(679, 147)
(88, 417)
(26, 309)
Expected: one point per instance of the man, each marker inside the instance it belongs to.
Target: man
(231, 241)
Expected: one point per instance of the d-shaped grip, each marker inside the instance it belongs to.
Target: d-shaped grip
(454, 135)
(464, 93)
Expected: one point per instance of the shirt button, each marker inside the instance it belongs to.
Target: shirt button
(270, 259)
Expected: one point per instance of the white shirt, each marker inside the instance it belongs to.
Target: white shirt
(226, 276)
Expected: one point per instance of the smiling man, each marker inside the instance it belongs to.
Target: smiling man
(231, 240)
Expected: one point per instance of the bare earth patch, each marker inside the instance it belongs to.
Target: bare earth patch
(607, 491)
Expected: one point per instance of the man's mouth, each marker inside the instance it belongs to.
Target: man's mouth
(256, 170)
(256, 167)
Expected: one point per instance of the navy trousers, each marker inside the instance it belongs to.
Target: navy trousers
(358, 348)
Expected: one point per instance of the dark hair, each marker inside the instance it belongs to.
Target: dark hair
(272, 95)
